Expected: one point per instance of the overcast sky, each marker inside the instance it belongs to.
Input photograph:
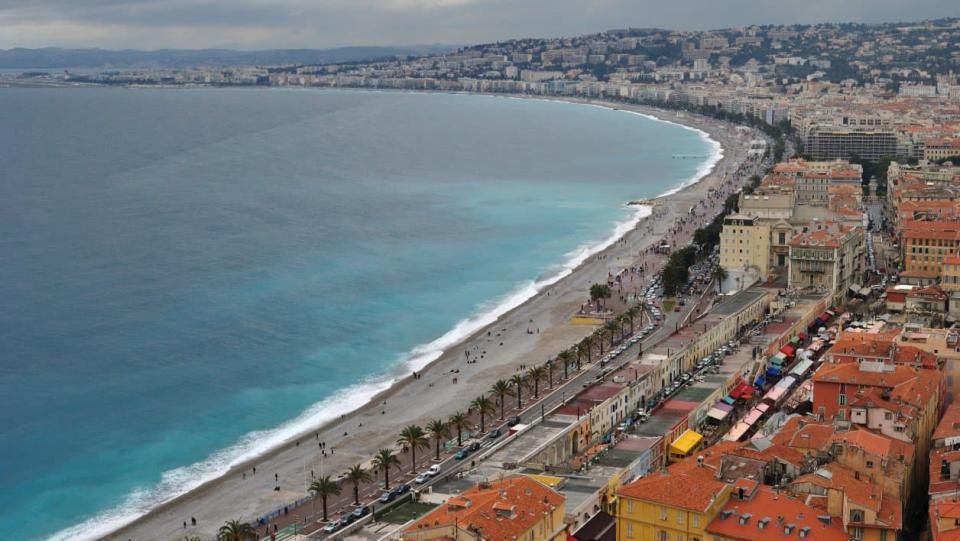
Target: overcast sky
(258, 24)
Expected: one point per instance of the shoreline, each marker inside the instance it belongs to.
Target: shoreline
(439, 352)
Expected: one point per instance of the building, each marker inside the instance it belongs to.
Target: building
(945, 519)
(878, 459)
(864, 510)
(926, 244)
(666, 505)
(827, 256)
(831, 142)
(941, 148)
(514, 508)
(762, 513)
(945, 455)
(745, 243)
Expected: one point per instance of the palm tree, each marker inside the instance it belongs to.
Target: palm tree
(518, 382)
(631, 313)
(384, 459)
(611, 327)
(584, 348)
(484, 406)
(324, 487)
(356, 475)
(501, 388)
(535, 375)
(458, 421)
(719, 274)
(438, 430)
(413, 438)
(235, 530)
(549, 367)
(597, 338)
(599, 292)
(565, 357)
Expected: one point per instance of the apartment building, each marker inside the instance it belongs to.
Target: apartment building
(945, 455)
(513, 508)
(745, 243)
(941, 148)
(926, 244)
(826, 255)
(762, 513)
(667, 505)
(832, 142)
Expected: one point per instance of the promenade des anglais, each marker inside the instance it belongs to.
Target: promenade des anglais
(271, 274)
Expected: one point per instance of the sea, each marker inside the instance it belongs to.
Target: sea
(189, 277)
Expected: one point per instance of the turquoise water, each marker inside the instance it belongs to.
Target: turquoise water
(185, 271)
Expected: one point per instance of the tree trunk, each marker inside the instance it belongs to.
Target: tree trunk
(323, 500)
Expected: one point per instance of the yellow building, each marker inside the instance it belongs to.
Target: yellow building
(518, 507)
(745, 243)
(668, 506)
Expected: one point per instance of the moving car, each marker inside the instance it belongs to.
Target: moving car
(434, 470)
(513, 421)
(422, 478)
(387, 497)
(495, 433)
(332, 526)
(360, 512)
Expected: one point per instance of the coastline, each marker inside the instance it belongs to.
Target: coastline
(216, 499)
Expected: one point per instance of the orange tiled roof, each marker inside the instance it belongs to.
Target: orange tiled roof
(808, 436)
(949, 424)
(858, 491)
(767, 505)
(501, 510)
(876, 444)
(675, 489)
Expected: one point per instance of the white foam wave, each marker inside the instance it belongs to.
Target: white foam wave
(423, 355)
(181, 480)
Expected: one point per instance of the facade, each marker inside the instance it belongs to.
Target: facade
(745, 243)
(827, 256)
(670, 506)
(926, 244)
(514, 508)
(832, 142)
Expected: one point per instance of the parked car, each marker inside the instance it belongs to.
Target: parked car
(400, 489)
(332, 526)
(360, 512)
(387, 497)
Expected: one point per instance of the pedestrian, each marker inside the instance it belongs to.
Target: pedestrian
(193, 521)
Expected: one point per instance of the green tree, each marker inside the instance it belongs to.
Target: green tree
(599, 293)
(565, 357)
(501, 388)
(484, 406)
(383, 460)
(235, 530)
(518, 381)
(549, 366)
(438, 430)
(719, 274)
(324, 487)
(585, 347)
(458, 421)
(611, 328)
(535, 375)
(356, 475)
(414, 438)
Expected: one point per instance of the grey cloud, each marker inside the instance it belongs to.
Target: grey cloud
(329, 23)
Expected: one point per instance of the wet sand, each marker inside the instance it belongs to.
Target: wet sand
(235, 496)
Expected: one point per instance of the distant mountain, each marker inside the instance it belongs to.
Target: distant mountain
(52, 57)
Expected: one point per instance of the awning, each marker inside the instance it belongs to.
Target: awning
(773, 372)
(718, 414)
(795, 340)
(737, 431)
(778, 359)
(803, 336)
(824, 317)
(801, 367)
(729, 400)
(855, 289)
(753, 416)
(788, 350)
(741, 390)
(759, 381)
(723, 406)
(747, 392)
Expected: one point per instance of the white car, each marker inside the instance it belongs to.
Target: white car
(422, 478)
(434, 470)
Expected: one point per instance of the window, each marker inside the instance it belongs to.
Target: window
(883, 535)
(629, 530)
(856, 515)
(696, 521)
(842, 399)
(629, 506)
(663, 513)
(679, 518)
(887, 415)
(869, 463)
(856, 532)
(663, 536)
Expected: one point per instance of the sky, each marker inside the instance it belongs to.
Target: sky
(263, 24)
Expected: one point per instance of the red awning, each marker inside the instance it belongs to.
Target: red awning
(803, 336)
(747, 393)
(741, 390)
(788, 350)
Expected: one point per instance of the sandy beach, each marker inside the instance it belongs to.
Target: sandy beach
(356, 437)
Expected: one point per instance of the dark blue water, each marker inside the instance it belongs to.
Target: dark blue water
(181, 268)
